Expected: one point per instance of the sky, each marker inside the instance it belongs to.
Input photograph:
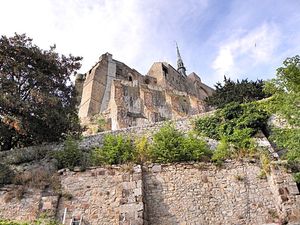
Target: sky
(237, 38)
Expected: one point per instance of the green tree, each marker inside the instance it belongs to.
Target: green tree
(286, 91)
(285, 102)
(240, 92)
(37, 101)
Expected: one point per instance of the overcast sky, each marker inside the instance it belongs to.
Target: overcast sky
(237, 38)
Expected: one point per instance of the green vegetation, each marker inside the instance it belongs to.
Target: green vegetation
(9, 222)
(36, 222)
(239, 92)
(142, 150)
(37, 100)
(222, 152)
(116, 149)
(71, 155)
(233, 122)
(234, 125)
(171, 145)
(285, 103)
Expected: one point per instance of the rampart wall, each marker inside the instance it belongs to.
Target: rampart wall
(155, 194)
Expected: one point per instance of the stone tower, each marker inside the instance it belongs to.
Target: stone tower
(180, 66)
(125, 98)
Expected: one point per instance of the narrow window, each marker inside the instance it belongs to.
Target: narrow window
(130, 78)
(131, 102)
(165, 71)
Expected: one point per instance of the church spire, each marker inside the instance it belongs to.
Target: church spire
(180, 66)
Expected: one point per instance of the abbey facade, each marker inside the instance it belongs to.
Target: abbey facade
(126, 98)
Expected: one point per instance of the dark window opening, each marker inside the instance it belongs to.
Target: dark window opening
(298, 186)
(130, 78)
(131, 102)
(147, 81)
(165, 71)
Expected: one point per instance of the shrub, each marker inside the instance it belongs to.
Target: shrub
(115, 150)
(222, 151)
(265, 161)
(142, 150)
(208, 126)
(171, 145)
(70, 156)
(297, 177)
(38, 178)
(194, 148)
(236, 123)
(167, 144)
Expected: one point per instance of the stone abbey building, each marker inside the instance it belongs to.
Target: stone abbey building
(126, 98)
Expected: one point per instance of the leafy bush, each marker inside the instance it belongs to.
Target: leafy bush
(171, 145)
(208, 126)
(288, 139)
(194, 148)
(142, 150)
(116, 149)
(167, 144)
(235, 123)
(297, 177)
(6, 174)
(70, 156)
(222, 151)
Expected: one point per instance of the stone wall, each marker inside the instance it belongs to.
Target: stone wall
(103, 196)
(186, 193)
(205, 194)
(12, 206)
(190, 193)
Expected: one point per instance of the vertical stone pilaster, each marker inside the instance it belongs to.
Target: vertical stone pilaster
(131, 203)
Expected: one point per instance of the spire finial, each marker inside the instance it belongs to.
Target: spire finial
(178, 53)
(180, 66)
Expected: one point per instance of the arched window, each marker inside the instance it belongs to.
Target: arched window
(130, 78)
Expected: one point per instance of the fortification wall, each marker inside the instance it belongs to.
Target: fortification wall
(186, 193)
(205, 194)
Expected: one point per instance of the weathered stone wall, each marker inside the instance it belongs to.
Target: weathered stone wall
(205, 194)
(122, 95)
(23, 209)
(186, 193)
(103, 196)
(160, 194)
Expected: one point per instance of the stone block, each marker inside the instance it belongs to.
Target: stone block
(47, 205)
(126, 177)
(137, 169)
(129, 185)
(293, 189)
(156, 168)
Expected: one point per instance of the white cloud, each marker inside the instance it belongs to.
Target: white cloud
(250, 49)
(135, 32)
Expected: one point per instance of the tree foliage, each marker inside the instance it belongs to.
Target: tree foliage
(240, 92)
(286, 103)
(37, 101)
